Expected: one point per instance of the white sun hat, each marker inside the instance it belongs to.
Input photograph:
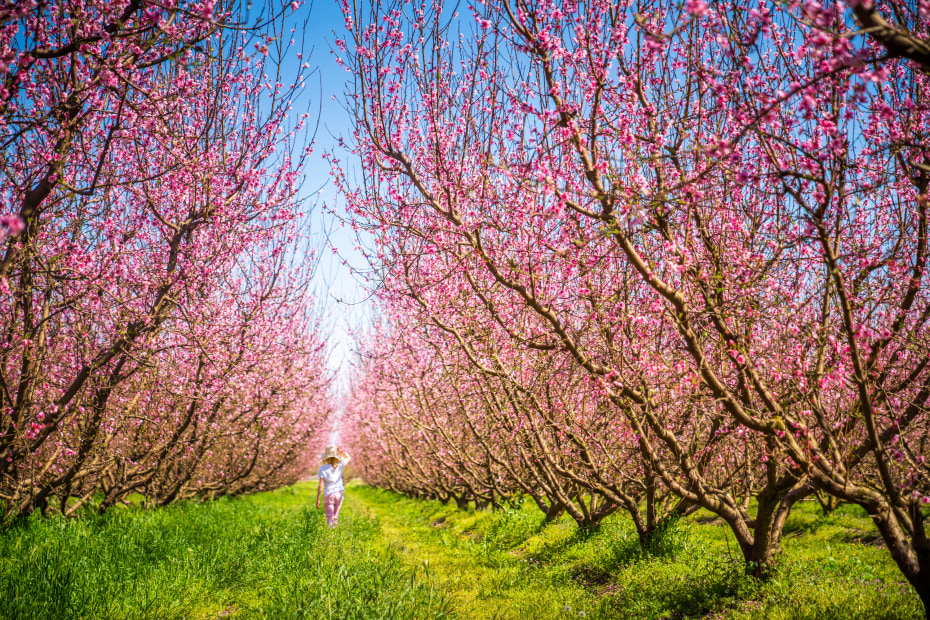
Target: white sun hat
(331, 452)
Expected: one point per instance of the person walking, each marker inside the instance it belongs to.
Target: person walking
(331, 486)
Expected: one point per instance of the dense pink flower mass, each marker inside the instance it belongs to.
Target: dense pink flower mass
(157, 333)
(649, 257)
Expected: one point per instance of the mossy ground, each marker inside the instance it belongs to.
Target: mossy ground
(271, 556)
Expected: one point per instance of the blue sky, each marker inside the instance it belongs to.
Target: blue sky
(339, 290)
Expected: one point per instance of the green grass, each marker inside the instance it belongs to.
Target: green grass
(508, 564)
(271, 556)
(264, 556)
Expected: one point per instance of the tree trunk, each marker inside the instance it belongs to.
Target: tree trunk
(828, 503)
(774, 506)
(764, 549)
(554, 512)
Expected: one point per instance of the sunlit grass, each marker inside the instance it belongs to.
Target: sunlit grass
(508, 564)
(265, 556)
(271, 556)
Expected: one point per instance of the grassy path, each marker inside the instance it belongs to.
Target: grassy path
(270, 556)
(482, 581)
(267, 556)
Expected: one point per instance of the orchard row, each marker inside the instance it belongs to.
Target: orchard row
(157, 336)
(648, 256)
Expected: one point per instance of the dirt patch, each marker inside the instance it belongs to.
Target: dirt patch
(591, 578)
(870, 539)
(473, 536)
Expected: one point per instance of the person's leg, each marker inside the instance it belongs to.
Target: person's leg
(337, 504)
(329, 504)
